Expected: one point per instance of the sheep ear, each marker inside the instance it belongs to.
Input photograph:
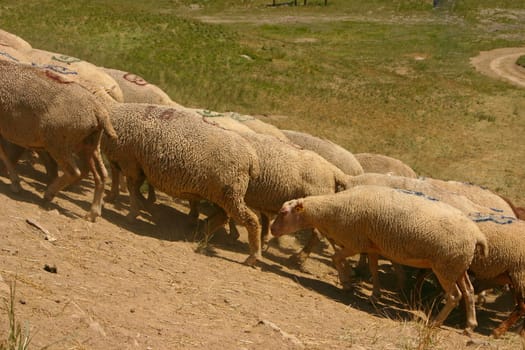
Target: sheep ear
(299, 207)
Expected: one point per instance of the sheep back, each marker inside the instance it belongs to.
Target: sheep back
(83, 72)
(379, 163)
(36, 109)
(288, 172)
(136, 89)
(13, 41)
(180, 153)
(330, 151)
(403, 227)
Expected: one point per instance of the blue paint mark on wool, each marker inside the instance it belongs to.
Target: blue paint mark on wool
(209, 114)
(9, 56)
(57, 69)
(498, 219)
(418, 193)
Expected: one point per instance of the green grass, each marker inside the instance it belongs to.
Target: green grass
(390, 77)
(521, 61)
(17, 338)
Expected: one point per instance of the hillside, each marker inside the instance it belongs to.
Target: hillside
(142, 286)
(389, 76)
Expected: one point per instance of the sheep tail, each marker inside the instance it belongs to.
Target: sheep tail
(482, 246)
(341, 182)
(103, 121)
(255, 168)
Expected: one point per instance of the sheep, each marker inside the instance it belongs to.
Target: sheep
(185, 157)
(83, 72)
(11, 40)
(378, 163)
(39, 110)
(258, 125)
(136, 89)
(450, 192)
(505, 263)
(287, 171)
(518, 211)
(403, 227)
(214, 118)
(330, 151)
(8, 53)
(477, 194)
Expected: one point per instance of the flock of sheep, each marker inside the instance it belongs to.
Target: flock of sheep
(71, 112)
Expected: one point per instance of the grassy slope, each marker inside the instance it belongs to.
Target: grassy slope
(391, 77)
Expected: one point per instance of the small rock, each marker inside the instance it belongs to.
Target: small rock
(51, 269)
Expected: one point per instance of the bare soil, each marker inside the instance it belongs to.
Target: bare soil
(501, 64)
(141, 285)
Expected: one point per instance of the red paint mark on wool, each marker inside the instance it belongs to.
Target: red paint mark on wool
(135, 79)
(57, 77)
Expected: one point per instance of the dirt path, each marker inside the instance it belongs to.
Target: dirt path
(140, 285)
(501, 64)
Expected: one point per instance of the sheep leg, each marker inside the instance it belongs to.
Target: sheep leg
(49, 164)
(71, 173)
(518, 312)
(470, 305)
(265, 228)
(15, 180)
(234, 233)
(194, 209)
(246, 217)
(300, 257)
(342, 266)
(115, 183)
(361, 267)
(100, 174)
(152, 197)
(121, 183)
(136, 200)
(400, 275)
(452, 296)
(215, 221)
(373, 266)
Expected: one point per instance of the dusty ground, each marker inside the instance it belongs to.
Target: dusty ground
(142, 286)
(501, 64)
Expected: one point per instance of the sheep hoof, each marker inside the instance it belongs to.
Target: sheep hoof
(131, 218)
(374, 298)
(347, 286)
(496, 333)
(251, 261)
(110, 198)
(298, 259)
(91, 216)
(15, 187)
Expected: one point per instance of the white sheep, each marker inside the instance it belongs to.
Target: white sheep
(379, 163)
(185, 157)
(452, 193)
(75, 69)
(330, 151)
(40, 110)
(136, 89)
(403, 227)
(506, 262)
(475, 193)
(287, 171)
(14, 41)
(258, 125)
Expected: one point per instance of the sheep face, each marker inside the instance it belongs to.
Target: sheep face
(290, 218)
